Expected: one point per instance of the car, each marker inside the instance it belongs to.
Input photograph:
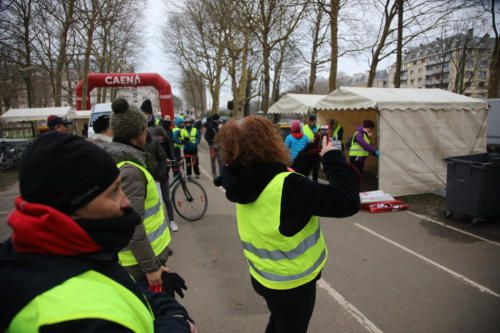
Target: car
(98, 110)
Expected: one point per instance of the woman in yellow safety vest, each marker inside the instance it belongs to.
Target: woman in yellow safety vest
(277, 213)
(360, 145)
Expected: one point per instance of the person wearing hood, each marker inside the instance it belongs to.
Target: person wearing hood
(190, 136)
(360, 145)
(277, 216)
(147, 253)
(147, 108)
(210, 133)
(156, 159)
(59, 270)
(296, 140)
(311, 130)
(102, 129)
(176, 132)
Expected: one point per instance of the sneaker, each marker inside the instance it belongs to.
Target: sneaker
(173, 226)
(197, 176)
(169, 251)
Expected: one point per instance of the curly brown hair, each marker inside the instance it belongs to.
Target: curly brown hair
(251, 140)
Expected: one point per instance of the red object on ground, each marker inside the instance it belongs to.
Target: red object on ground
(384, 206)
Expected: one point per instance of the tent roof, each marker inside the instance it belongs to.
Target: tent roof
(295, 103)
(34, 113)
(355, 98)
(79, 114)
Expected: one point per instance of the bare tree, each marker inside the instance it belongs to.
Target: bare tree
(271, 21)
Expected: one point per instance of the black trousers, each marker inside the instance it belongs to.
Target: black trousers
(359, 165)
(165, 192)
(215, 161)
(196, 165)
(291, 309)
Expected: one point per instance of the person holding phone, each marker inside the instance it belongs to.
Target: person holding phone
(277, 214)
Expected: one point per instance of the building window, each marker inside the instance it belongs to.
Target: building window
(411, 82)
(480, 84)
(483, 63)
(480, 95)
(411, 72)
(482, 75)
(469, 63)
(420, 70)
(468, 75)
(446, 65)
(419, 81)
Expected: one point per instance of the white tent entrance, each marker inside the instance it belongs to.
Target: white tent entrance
(416, 129)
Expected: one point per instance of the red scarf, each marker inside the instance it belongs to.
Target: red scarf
(44, 230)
(297, 135)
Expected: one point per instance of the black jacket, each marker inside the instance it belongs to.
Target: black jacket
(301, 197)
(24, 276)
(211, 131)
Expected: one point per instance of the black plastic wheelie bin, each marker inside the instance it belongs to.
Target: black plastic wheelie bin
(473, 186)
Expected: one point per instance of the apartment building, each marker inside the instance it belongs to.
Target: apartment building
(459, 63)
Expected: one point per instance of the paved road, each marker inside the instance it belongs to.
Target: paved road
(392, 272)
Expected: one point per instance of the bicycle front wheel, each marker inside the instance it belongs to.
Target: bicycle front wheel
(190, 200)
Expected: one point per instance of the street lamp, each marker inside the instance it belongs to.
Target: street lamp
(26, 79)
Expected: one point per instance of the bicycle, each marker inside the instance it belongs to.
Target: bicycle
(10, 154)
(189, 198)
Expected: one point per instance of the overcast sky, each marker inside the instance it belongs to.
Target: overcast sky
(155, 61)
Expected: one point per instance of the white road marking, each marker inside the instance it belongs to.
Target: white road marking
(351, 309)
(453, 228)
(460, 277)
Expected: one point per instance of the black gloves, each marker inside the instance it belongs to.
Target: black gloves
(173, 282)
(186, 140)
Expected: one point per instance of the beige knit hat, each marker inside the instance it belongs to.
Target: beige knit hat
(127, 122)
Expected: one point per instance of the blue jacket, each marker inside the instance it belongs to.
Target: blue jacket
(295, 145)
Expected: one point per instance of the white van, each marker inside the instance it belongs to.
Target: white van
(100, 109)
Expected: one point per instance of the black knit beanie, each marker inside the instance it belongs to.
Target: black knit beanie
(65, 172)
(147, 107)
(127, 122)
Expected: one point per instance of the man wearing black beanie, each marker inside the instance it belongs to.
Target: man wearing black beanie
(59, 270)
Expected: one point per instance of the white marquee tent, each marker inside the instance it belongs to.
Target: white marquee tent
(34, 114)
(295, 104)
(416, 129)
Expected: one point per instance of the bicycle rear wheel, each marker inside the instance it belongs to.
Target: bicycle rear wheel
(190, 201)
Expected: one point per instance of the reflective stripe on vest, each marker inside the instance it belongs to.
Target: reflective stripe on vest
(177, 145)
(90, 295)
(336, 131)
(356, 149)
(154, 220)
(276, 261)
(191, 134)
(308, 132)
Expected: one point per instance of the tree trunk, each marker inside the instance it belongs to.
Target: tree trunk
(399, 49)
(267, 79)
(62, 57)
(334, 13)
(88, 49)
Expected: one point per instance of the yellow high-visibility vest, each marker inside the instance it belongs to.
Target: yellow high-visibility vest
(277, 261)
(155, 223)
(90, 295)
(356, 149)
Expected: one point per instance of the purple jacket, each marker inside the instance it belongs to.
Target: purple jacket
(361, 140)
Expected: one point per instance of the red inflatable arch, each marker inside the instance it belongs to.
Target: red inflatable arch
(128, 80)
